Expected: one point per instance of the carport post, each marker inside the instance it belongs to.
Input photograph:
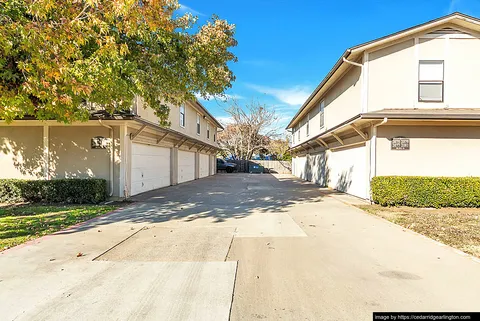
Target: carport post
(46, 152)
(197, 165)
(174, 166)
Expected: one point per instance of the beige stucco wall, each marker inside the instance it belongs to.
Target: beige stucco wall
(393, 73)
(190, 128)
(71, 155)
(462, 71)
(21, 152)
(390, 76)
(342, 102)
(434, 151)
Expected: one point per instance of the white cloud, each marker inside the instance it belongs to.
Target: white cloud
(223, 97)
(293, 96)
(224, 120)
(453, 5)
(184, 8)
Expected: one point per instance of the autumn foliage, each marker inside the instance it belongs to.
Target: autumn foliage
(57, 55)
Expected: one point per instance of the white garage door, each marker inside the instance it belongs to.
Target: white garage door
(348, 171)
(204, 165)
(186, 166)
(150, 168)
(213, 160)
(298, 166)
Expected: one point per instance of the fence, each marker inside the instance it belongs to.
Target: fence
(269, 166)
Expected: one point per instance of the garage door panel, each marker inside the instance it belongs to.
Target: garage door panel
(150, 168)
(186, 166)
(204, 165)
(348, 171)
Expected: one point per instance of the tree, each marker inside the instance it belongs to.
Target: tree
(279, 148)
(250, 130)
(57, 57)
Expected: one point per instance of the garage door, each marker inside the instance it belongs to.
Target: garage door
(204, 165)
(213, 160)
(348, 171)
(186, 166)
(298, 167)
(150, 168)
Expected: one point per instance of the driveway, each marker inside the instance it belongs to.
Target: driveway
(239, 247)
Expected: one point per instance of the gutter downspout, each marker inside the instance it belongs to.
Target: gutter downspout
(352, 63)
(373, 152)
(111, 155)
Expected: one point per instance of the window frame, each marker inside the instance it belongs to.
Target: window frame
(183, 117)
(208, 130)
(199, 128)
(427, 82)
(308, 124)
(321, 113)
(298, 130)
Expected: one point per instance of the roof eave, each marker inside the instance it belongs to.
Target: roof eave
(379, 41)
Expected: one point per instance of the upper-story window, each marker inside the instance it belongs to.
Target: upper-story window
(214, 137)
(293, 135)
(298, 132)
(198, 124)
(430, 81)
(322, 114)
(208, 131)
(308, 124)
(182, 116)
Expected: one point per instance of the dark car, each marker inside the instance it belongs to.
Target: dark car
(224, 166)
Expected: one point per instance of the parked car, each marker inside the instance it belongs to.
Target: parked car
(225, 166)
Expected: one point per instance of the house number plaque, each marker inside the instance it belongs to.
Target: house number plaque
(400, 143)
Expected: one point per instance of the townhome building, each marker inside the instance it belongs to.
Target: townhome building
(128, 149)
(406, 104)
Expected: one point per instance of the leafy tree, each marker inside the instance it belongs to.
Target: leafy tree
(57, 55)
(279, 148)
(251, 130)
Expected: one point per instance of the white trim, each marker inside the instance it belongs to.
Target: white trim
(123, 188)
(46, 152)
(416, 66)
(364, 95)
(447, 36)
(198, 125)
(307, 125)
(446, 70)
(184, 115)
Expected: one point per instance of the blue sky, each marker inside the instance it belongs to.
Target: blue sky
(285, 47)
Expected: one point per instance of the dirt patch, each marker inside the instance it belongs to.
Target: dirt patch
(457, 227)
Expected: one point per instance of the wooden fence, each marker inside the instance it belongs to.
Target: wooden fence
(269, 166)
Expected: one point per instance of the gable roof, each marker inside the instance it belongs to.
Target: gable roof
(458, 18)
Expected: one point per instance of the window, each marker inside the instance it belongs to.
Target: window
(308, 124)
(430, 81)
(298, 131)
(293, 135)
(208, 131)
(198, 124)
(322, 114)
(182, 116)
(214, 137)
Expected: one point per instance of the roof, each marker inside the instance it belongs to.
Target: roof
(198, 104)
(364, 119)
(441, 114)
(454, 17)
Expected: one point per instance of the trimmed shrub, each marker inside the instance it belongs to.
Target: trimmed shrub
(75, 191)
(419, 191)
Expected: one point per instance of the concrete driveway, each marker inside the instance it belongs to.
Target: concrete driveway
(239, 247)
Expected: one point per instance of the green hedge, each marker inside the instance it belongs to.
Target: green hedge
(418, 191)
(75, 191)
